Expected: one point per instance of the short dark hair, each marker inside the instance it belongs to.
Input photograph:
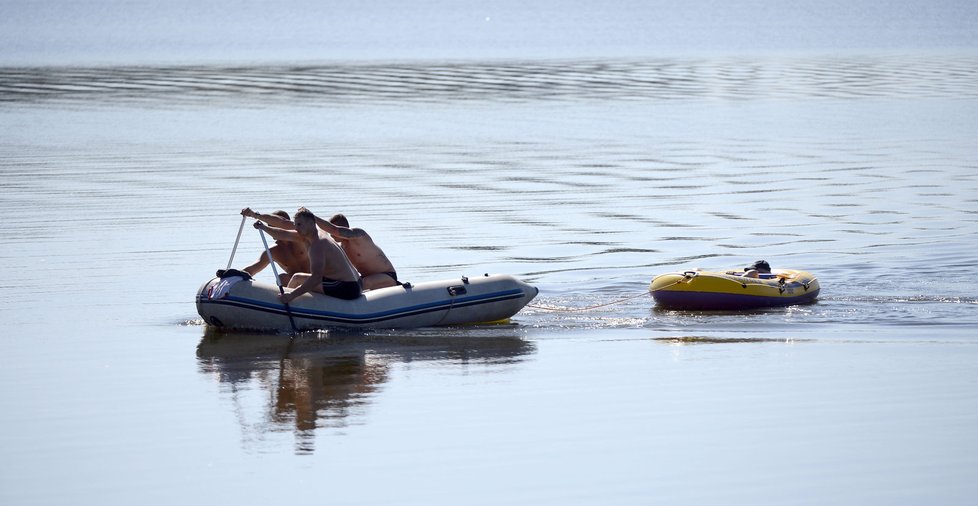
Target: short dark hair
(340, 221)
(282, 214)
(759, 266)
(306, 214)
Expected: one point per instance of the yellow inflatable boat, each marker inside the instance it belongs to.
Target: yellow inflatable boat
(733, 290)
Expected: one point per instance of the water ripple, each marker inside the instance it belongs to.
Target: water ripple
(657, 79)
(579, 199)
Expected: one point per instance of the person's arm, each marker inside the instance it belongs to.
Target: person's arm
(271, 219)
(341, 232)
(317, 265)
(257, 267)
(279, 234)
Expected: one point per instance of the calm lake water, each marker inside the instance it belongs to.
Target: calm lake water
(583, 174)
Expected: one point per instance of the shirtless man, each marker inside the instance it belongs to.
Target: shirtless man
(330, 271)
(375, 269)
(291, 256)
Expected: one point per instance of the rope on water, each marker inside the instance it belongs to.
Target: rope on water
(573, 309)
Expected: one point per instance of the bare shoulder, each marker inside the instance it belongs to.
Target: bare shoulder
(325, 244)
(319, 245)
(359, 232)
(357, 236)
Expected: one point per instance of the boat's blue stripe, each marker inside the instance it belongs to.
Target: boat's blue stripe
(263, 306)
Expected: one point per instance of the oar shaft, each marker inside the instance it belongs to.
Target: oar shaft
(278, 281)
(271, 261)
(236, 240)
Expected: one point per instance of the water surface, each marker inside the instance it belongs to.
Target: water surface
(584, 176)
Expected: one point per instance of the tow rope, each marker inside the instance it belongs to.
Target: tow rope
(574, 309)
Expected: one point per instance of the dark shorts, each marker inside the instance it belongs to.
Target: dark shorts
(347, 290)
(393, 275)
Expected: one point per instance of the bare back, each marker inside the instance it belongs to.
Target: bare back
(327, 260)
(366, 256)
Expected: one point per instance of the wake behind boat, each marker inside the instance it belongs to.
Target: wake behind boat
(241, 303)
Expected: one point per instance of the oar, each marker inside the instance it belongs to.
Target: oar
(278, 281)
(236, 240)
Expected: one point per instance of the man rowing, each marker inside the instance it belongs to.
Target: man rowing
(290, 256)
(376, 270)
(330, 272)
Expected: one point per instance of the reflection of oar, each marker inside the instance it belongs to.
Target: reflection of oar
(236, 240)
(278, 281)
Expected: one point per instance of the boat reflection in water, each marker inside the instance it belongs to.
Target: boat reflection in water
(326, 380)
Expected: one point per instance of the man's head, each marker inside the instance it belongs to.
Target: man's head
(305, 222)
(760, 266)
(285, 216)
(340, 221)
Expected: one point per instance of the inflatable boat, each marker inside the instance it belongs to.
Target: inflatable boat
(733, 290)
(238, 302)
